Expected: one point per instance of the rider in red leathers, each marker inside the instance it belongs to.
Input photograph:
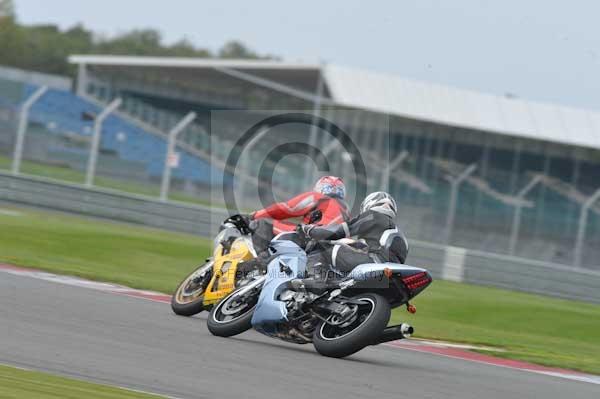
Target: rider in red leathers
(323, 206)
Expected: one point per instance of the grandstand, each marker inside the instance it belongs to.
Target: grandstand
(442, 130)
(61, 127)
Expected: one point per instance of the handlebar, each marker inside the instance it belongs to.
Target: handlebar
(240, 222)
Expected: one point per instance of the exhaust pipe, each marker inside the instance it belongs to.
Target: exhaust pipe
(394, 333)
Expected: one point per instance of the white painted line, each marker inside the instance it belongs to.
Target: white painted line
(79, 282)
(439, 348)
(592, 379)
(443, 344)
(16, 367)
(454, 353)
(8, 212)
(90, 381)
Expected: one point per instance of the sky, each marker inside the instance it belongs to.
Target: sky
(544, 50)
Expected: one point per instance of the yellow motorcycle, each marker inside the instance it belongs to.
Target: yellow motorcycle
(228, 269)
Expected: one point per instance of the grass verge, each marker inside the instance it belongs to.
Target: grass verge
(23, 384)
(100, 250)
(533, 328)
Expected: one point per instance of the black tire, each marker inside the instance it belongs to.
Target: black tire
(238, 324)
(183, 307)
(358, 338)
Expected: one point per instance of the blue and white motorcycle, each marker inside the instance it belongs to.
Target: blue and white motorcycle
(340, 316)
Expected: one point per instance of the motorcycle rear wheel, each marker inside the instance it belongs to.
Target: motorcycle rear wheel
(350, 337)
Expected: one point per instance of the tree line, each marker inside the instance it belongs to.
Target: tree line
(45, 48)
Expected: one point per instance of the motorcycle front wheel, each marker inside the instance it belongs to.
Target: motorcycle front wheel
(233, 315)
(341, 338)
(188, 298)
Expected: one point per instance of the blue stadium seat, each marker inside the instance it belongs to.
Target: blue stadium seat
(65, 110)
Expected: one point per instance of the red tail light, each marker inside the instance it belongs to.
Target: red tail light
(417, 281)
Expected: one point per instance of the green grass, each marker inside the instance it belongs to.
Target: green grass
(23, 384)
(64, 173)
(130, 255)
(528, 327)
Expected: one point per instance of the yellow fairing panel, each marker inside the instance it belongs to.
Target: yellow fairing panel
(224, 270)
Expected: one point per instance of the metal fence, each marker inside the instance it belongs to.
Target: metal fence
(518, 196)
(453, 216)
(445, 262)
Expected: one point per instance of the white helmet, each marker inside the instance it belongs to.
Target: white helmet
(381, 202)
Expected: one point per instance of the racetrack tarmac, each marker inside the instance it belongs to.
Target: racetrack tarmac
(140, 344)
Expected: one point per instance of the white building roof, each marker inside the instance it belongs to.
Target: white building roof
(186, 62)
(465, 108)
(417, 100)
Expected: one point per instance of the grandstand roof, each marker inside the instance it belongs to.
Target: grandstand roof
(403, 97)
(181, 62)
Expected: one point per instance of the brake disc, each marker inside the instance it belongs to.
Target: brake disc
(236, 307)
(343, 320)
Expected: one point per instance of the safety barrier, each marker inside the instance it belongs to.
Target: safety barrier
(444, 262)
(509, 272)
(107, 203)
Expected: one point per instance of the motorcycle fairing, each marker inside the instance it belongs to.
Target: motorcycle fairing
(374, 271)
(225, 268)
(288, 265)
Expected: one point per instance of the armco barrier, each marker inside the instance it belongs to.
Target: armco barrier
(481, 268)
(447, 263)
(106, 203)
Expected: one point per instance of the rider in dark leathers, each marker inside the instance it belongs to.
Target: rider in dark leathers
(380, 239)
